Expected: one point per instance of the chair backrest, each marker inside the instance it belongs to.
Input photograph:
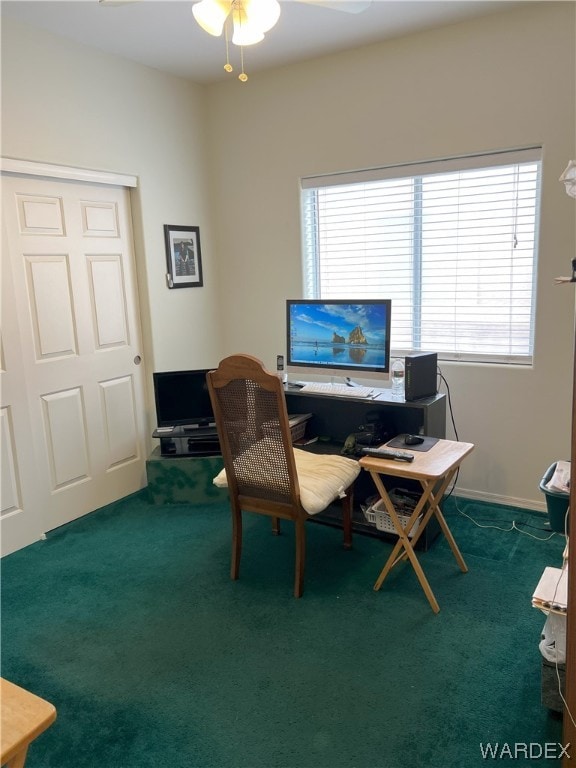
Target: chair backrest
(252, 423)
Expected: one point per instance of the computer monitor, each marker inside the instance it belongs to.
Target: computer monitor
(339, 336)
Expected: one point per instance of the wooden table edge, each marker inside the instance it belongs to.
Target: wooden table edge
(47, 712)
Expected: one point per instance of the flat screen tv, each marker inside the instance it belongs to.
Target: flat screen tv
(339, 336)
(182, 399)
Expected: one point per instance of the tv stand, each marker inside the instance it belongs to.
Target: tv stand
(335, 418)
(202, 425)
(189, 440)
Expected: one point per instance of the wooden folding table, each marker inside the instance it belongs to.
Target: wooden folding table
(434, 470)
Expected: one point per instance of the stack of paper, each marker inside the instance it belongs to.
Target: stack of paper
(551, 594)
(560, 480)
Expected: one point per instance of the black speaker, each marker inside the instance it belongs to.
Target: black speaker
(420, 375)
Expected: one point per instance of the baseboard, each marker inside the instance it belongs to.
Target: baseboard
(508, 501)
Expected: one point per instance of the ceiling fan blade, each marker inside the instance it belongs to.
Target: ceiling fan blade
(349, 6)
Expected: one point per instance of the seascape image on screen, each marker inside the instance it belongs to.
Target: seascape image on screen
(339, 334)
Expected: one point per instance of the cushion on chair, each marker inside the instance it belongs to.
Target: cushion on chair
(322, 478)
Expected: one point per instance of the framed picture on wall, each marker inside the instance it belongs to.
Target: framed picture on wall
(183, 256)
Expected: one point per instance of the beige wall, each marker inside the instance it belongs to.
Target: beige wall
(228, 158)
(503, 81)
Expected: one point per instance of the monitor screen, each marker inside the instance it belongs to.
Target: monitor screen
(340, 335)
(182, 398)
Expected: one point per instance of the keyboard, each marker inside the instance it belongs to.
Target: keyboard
(339, 390)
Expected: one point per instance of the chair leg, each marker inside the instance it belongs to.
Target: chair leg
(276, 526)
(347, 507)
(236, 541)
(300, 537)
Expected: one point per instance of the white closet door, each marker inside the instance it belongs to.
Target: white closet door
(72, 415)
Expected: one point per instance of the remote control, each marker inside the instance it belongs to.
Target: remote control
(388, 453)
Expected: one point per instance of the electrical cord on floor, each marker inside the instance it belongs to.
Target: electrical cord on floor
(514, 525)
(534, 527)
(531, 535)
(517, 522)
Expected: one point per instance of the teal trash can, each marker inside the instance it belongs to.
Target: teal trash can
(556, 503)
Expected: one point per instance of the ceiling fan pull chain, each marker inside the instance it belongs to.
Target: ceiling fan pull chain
(241, 15)
(227, 67)
(242, 76)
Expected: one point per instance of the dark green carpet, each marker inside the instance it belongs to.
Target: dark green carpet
(127, 621)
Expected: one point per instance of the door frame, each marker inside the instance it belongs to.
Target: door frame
(50, 171)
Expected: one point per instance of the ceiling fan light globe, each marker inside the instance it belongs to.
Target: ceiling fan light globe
(211, 15)
(264, 12)
(247, 31)
(243, 36)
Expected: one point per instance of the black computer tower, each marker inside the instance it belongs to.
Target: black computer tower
(420, 375)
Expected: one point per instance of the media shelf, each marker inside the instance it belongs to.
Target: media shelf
(335, 418)
(188, 441)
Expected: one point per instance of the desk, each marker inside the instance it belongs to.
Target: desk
(434, 470)
(24, 717)
(334, 418)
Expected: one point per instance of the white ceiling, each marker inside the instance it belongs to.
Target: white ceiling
(163, 33)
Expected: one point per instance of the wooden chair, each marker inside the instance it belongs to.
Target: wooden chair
(263, 472)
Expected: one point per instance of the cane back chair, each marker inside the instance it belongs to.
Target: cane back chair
(263, 472)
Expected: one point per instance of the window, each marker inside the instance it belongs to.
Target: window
(451, 242)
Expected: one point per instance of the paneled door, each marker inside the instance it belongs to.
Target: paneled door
(72, 384)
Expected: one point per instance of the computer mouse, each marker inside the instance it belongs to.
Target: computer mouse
(413, 440)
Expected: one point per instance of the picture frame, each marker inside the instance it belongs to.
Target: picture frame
(183, 256)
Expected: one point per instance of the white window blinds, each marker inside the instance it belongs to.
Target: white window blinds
(452, 243)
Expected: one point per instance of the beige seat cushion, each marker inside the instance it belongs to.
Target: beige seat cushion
(322, 478)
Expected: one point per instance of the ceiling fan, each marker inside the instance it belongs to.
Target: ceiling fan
(348, 6)
(244, 22)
